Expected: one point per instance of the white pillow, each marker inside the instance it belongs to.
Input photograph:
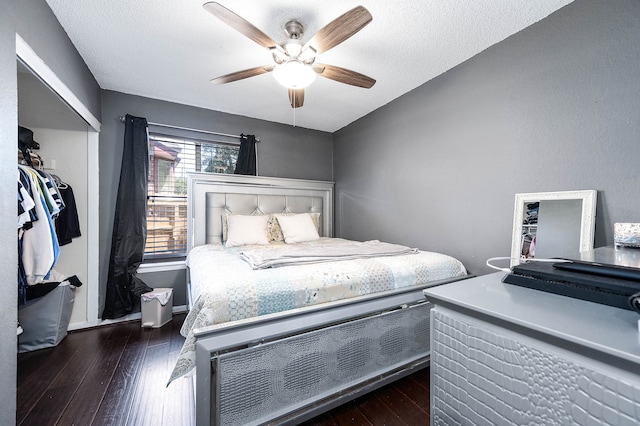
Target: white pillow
(297, 228)
(245, 229)
(273, 226)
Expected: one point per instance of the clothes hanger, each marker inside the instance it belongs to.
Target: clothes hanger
(59, 182)
(24, 157)
(39, 160)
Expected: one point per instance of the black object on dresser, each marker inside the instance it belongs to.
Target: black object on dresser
(608, 275)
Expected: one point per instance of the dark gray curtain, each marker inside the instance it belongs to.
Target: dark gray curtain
(130, 224)
(246, 164)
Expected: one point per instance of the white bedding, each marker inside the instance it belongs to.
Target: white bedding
(225, 288)
(328, 250)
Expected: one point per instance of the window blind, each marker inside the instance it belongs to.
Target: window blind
(170, 159)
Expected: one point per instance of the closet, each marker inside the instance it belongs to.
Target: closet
(64, 151)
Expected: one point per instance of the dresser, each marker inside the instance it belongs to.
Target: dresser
(508, 355)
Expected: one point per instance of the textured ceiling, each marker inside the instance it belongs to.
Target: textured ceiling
(171, 49)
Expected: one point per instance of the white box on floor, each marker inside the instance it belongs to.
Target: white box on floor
(156, 307)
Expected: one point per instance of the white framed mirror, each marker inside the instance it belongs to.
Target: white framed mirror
(552, 224)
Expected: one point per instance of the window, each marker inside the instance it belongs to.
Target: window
(170, 159)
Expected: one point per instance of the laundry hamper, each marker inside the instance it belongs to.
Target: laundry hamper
(45, 319)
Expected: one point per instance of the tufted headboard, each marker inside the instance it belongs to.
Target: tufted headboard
(210, 196)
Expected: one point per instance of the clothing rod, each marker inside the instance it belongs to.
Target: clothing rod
(169, 126)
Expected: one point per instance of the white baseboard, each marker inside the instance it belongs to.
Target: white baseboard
(131, 317)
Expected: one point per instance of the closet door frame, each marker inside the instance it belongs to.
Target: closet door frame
(40, 69)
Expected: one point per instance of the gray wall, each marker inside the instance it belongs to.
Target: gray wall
(554, 107)
(175, 279)
(283, 151)
(8, 173)
(35, 23)
(38, 26)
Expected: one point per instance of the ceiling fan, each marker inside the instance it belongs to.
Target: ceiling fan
(295, 66)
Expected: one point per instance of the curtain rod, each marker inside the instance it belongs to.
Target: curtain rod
(169, 126)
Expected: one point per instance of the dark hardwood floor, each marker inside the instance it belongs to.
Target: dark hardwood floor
(117, 374)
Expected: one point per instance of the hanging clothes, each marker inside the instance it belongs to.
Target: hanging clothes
(26, 216)
(52, 189)
(47, 219)
(246, 163)
(26, 212)
(38, 244)
(39, 204)
(67, 223)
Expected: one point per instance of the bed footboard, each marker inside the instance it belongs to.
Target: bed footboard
(288, 367)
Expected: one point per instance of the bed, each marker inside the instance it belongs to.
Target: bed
(273, 343)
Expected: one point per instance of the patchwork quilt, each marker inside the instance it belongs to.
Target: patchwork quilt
(226, 288)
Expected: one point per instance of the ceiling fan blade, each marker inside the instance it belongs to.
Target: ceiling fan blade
(340, 29)
(240, 24)
(239, 75)
(344, 75)
(296, 97)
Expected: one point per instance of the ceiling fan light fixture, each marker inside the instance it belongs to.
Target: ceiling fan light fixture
(293, 48)
(293, 74)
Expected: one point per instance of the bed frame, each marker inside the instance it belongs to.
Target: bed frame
(287, 367)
